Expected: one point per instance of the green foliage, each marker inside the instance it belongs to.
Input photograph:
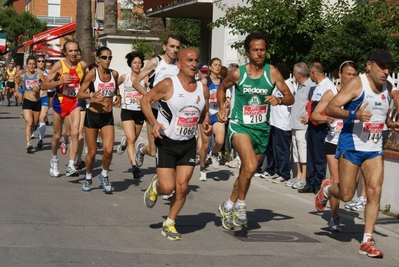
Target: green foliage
(145, 47)
(315, 30)
(189, 31)
(19, 27)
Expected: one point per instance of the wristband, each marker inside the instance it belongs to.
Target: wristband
(352, 114)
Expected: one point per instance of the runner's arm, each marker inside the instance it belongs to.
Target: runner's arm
(145, 72)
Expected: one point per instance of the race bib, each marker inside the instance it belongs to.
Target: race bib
(70, 89)
(107, 89)
(29, 84)
(338, 126)
(372, 131)
(133, 97)
(186, 126)
(254, 114)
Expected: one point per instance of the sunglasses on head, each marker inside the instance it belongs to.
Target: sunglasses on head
(106, 57)
(40, 61)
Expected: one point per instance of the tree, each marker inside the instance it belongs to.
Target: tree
(19, 27)
(315, 30)
(84, 30)
(189, 31)
(110, 16)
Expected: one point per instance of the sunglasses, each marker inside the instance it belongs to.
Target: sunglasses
(106, 57)
(40, 61)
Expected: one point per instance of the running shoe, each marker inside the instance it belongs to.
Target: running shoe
(271, 178)
(257, 174)
(122, 147)
(368, 248)
(240, 216)
(291, 182)
(80, 164)
(151, 194)
(279, 180)
(300, 184)
(357, 204)
(169, 231)
(215, 161)
(139, 156)
(29, 148)
(203, 177)
(71, 171)
(87, 185)
(40, 144)
(105, 184)
(235, 163)
(99, 144)
(335, 224)
(136, 172)
(227, 217)
(265, 175)
(360, 206)
(63, 147)
(54, 168)
(321, 199)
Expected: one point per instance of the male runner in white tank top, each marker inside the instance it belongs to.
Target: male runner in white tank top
(365, 101)
(157, 69)
(183, 102)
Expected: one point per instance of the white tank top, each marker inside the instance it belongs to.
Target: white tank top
(366, 136)
(107, 89)
(181, 113)
(335, 126)
(130, 96)
(162, 71)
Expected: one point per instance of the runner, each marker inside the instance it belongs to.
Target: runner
(100, 86)
(366, 103)
(212, 81)
(183, 102)
(65, 75)
(249, 122)
(157, 69)
(31, 80)
(131, 115)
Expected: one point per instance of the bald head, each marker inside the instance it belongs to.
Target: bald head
(185, 52)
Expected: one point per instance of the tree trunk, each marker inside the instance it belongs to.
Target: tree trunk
(84, 29)
(110, 16)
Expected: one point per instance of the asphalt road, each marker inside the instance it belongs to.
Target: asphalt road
(49, 221)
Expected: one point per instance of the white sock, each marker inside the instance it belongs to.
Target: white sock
(71, 163)
(239, 203)
(169, 220)
(325, 191)
(88, 176)
(366, 237)
(54, 157)
(228, 205)
(104, 173)
(42, 130)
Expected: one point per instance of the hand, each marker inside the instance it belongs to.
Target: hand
(117, 102)
(273, 100)
(304, 119)
(221, 115)
(330, 119)
(155, 130)
(362, 114)
(96, 97)
(66, 78)
(207, 128)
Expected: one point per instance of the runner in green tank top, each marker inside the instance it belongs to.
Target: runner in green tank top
(249, 123)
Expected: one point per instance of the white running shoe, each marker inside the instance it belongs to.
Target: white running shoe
(54, 168)
(203, 177)
(215, 161)
(122, 147)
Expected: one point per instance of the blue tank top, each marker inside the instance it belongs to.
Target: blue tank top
(29, 83)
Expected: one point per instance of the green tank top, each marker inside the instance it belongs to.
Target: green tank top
(249, 107)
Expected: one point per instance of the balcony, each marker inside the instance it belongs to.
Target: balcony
(142, 25)
(55, 21)
(195, 9)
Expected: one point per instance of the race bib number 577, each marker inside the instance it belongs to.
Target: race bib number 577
(254, 114)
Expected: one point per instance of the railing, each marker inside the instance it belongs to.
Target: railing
(51, 20)
(156, 4)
